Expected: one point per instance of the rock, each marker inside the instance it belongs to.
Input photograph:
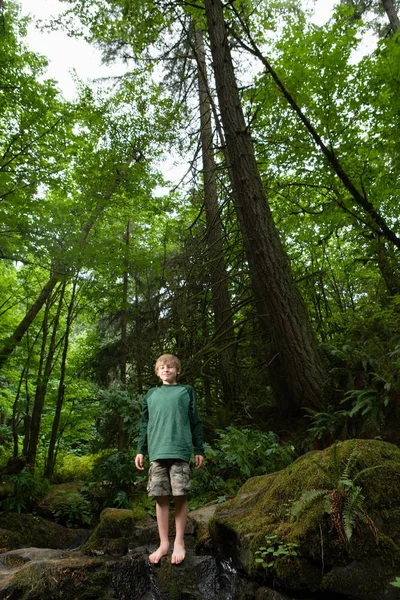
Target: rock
(18, 530)
(324, 563)
(121, 530)
(201, 518)
(51, 574)
(40, 574)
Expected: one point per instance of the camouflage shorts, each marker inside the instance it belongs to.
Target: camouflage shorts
(168, 477)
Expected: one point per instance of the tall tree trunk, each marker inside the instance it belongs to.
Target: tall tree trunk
(297, 371)
(50, 463)
(138, 338)
(389, 268)
(41, 386)
(391, 12)
(122, 437)
(229, 368)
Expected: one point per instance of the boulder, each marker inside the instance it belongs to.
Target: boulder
(23, 530)
(324, 561)
(121, 530)
(40, 574)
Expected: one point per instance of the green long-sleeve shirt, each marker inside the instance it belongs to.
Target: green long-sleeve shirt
(170, 425)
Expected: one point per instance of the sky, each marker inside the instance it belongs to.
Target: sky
(66, 54)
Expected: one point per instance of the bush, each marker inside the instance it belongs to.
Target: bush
(114, 474)
(75, 468)
(237, 455)
(28, 488)
(73, 510)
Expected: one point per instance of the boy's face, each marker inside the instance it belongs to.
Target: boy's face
(168, 373)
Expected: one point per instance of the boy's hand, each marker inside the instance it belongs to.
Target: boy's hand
(198, 461)
(139, 462)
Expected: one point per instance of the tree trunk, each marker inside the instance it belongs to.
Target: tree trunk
(43, 379)
(224, 335)
(122, 437)
(16, 337)
(391, 12)
(50, 463)
(138, 338)
(297, 372)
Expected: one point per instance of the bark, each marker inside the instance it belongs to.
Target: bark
(50, 463)
(122, 437)
(230, 372)
(391, 12)
(297, 371)
(138, 338)
(388, 266)
(16, 413)
(43, 379)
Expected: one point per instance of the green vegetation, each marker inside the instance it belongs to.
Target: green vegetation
(105, 263)
(267, 555)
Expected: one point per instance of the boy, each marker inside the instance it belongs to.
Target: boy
(169, 427)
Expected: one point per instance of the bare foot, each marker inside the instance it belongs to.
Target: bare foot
(178, 554)
(159, 553)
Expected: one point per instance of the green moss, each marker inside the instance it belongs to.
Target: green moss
(262, 507)
(116, 529)
(17, 530)
(71, 580)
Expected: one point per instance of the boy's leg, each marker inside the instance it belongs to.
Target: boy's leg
(162, 513)
(181, 511)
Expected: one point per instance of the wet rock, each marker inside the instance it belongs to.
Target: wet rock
(324, 563)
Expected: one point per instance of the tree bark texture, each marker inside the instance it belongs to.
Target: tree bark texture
(41, 387)
(297, 371)
(51, 454)
(122, 436)
(224, 334)
(391, 12)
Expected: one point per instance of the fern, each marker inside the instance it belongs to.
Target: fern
(306, 499)
(352, 510)
(343, 501)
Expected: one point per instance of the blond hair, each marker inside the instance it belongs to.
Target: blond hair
(168, 359)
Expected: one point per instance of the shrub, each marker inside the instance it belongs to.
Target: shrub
(237, 455)
(75, 468)
(74, 510)
(28, 488)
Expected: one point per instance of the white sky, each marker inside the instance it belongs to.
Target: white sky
(66, 54)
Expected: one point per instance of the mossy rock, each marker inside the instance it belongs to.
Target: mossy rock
(262, 508)
(69, 579)
(23, 530)
(119, 530)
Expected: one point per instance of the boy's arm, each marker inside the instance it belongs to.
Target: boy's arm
(196, 427)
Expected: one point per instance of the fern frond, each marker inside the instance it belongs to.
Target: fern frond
(305, 500)
(352, 510)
